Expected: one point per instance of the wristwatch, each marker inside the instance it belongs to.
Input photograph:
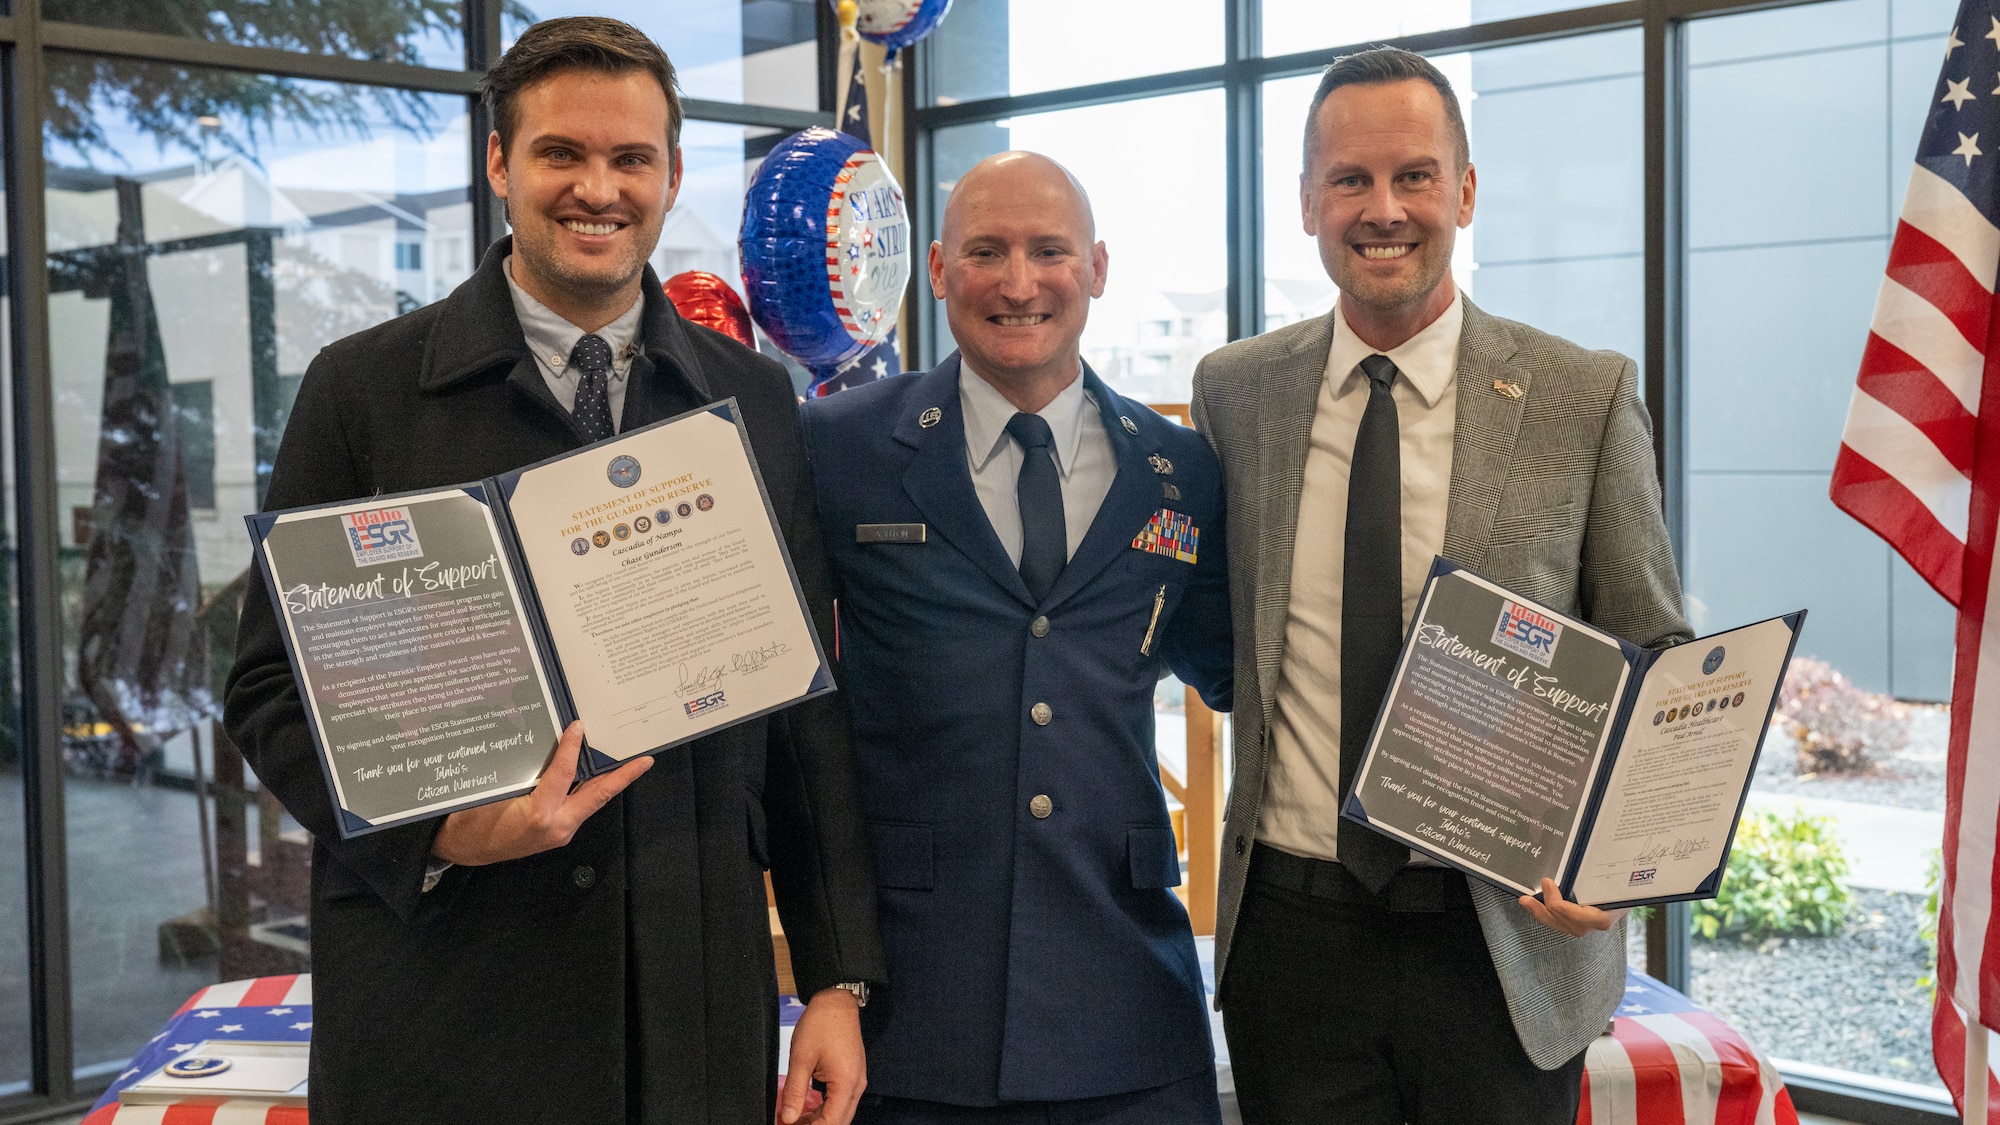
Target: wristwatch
(860, 990)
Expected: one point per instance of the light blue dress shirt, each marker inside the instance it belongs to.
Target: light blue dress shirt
(1084, 460)
(552, 339)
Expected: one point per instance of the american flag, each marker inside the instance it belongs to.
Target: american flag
(1920, 465)
(882, 360)
(1665, 1059)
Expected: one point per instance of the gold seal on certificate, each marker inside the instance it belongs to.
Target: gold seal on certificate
(1519, 744)
(443, 639)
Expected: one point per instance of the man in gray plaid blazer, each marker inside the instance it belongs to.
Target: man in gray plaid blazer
(1358, 985)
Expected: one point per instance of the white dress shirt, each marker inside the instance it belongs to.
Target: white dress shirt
(1301, 812)
(1084, 461)
(552, 339)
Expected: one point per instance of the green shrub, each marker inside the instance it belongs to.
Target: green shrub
(1786, 876)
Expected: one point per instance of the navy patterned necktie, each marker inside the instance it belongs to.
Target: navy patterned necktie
(592, 361)
(1044, 534)
(1371, 610)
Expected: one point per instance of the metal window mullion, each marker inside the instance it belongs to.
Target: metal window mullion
(152, 47)
(920, 167)
(482, 50)
(1667, 936)
(1243, 98)
(51, 1049)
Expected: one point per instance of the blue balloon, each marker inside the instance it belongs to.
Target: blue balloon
(896, 24)
(825, 246)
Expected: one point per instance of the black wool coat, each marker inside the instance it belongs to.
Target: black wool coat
(628, 975)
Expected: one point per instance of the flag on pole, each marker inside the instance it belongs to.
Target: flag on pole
(1919, 464)
(882, 360)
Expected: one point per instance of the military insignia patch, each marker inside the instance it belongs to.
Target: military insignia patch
(1169, 533)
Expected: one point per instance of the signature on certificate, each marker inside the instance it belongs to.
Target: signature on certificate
(700, 677)
(1679, 849)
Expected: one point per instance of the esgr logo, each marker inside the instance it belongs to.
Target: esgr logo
(381, 535)
(1527, 633)
(1642, 876)
(703, 704)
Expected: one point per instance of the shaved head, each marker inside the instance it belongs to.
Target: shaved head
(1011, 171)
(1017, 263)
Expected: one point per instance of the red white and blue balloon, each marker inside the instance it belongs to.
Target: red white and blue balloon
(825, 246)
(896, 24)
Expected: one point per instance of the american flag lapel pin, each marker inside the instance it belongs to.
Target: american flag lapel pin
(1511, 390)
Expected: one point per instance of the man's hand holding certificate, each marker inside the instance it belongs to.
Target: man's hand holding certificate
(1531, 750)
(442, 639)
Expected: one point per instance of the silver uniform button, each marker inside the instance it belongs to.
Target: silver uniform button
(1039, 627)
(1041, 806)
(1041, 714)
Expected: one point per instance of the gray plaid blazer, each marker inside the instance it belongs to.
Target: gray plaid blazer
(1553, 494)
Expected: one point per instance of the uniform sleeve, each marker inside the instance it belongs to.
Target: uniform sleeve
(1200, 645)
(262, 709)
(1629, 584)
(821, 868)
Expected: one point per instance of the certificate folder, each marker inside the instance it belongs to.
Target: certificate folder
(443, 639)
(1517, 743)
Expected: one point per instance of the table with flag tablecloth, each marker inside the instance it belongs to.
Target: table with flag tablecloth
(266, 1009)
(1665, 1061)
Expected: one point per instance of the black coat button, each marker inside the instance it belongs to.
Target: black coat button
(1239, 845)
(585, 877)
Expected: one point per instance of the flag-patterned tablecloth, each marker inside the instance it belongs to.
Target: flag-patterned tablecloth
(265, 1009)
(1665, 1062)
(1668, 1062)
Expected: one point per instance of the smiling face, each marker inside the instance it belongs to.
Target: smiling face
(588, 178)
(1385, 197)
(1017, 265)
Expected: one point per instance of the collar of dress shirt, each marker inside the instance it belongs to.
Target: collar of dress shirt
(1429, 359)
(552, 338)
(987, 413)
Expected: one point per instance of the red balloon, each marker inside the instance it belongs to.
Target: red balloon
(708, 301)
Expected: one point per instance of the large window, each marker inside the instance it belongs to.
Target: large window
(1782, 272)
(221, 191)
(196, 266)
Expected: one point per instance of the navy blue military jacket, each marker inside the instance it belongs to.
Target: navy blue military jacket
(1031, 957)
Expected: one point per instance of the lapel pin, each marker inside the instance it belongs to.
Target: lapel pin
(1161, 465)
(930, 417)
(1170, 492)
(1131, 427)
(1511, 390)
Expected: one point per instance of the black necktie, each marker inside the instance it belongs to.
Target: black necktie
(1044, 534)
(1371, 609)
(592, 360)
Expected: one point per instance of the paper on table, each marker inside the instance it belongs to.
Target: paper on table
(667, 591)
(1676, 788)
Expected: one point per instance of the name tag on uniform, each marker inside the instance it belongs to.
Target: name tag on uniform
(1169, 533)
(889, 532)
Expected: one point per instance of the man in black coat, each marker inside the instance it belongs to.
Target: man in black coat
(600, 955)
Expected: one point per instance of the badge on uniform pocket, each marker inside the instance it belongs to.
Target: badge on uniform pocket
(1168, 533)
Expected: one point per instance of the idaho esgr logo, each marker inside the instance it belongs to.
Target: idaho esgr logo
(1642, 876)
(1527, 633)
(623, 471)
(703, 704)
(1712, 661)
(381, 535)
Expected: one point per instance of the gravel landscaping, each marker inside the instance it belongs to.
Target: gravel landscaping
(1850, 1001)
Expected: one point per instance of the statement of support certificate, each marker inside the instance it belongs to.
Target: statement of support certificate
(1517, 744)
(442, 640)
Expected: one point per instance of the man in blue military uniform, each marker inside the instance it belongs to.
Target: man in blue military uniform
(1019, 554)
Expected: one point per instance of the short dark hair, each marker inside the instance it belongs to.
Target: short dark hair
(577, 43)
(1379, 66)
